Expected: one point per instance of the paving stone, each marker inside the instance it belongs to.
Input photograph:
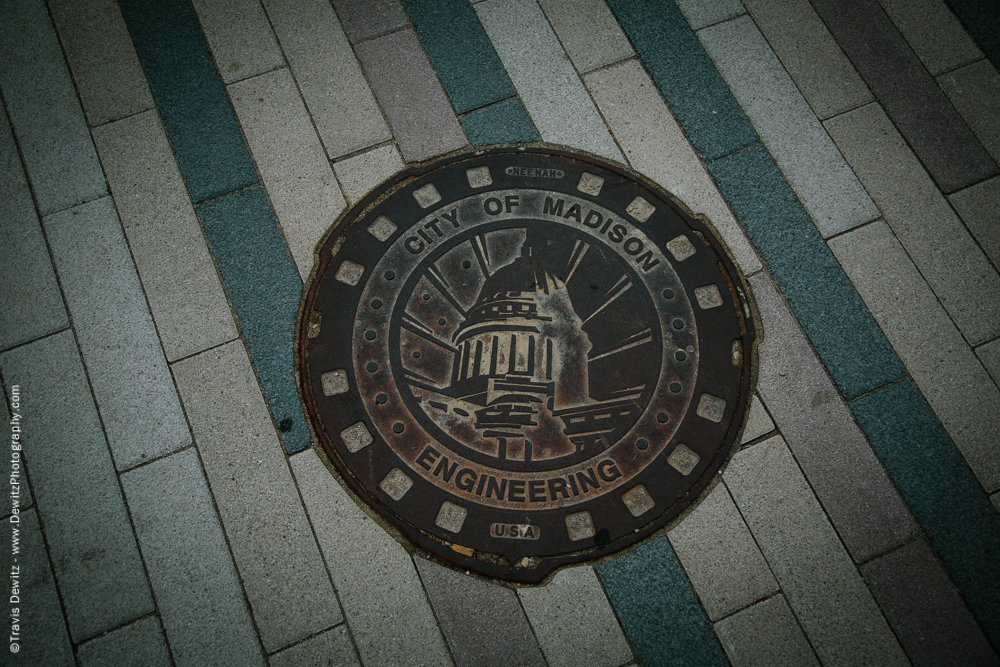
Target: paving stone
(702, 13)
(460, 52)
(989, 355)
(656, 146)
(811, 163)
(945, 144)
(140, 643)
(840, 465)
(945, 497)
(295, 171)
(548, 85)
(264, 289)
(925, 610)
(657, 608)
(758, 422)
(934, 33)
(719, 556)
(810, 55)
(384, 602)
(198, 592)
(190, 97)
(360, 174)
(995, 499)
(97, 565)
(256, 496)
(32, 302)
(330, 649)
(569, 607)
(135, 394)
(44, 111)
(177, 271)
(340, 102)
(684, 74)
(765, 635)
(975, 92)
(501, 123)
(588, 31)
(482, 622)
(983, 24)
(816, 575)
(955, 384)
(977, 206)
(239, 37)
(43, 640)
(928, 228)
(365, 19)
(404, 82)
(106, 70)
(839, 326)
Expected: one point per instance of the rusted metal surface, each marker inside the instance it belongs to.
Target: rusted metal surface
(524, 358)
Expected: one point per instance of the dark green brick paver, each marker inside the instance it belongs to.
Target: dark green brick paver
(190, 97)
(264, 288)
(501, 123)
(658, 609)
(941, 491)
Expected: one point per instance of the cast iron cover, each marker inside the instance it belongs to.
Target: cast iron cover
(524, 357)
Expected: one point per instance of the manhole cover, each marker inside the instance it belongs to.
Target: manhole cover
(524, 358)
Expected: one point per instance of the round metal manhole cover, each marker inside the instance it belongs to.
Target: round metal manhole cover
(524, 358)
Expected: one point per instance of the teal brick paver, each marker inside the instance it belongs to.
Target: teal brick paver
(809, 160)
(840, 327)
(683, 72)
(658, 609)
(656, 146)
(104, 64)
(101, 578)
(189, 565)
(240, 37)
(190, 97)
(135, 394)
(43, 640)
(460, 52)
(139, 643)
(943, 494)
(702, 13)
(501, 123)
(32, 303)
(44, 111)
(958, 389)
(981, 19)
(264, 289)
(857, 495)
